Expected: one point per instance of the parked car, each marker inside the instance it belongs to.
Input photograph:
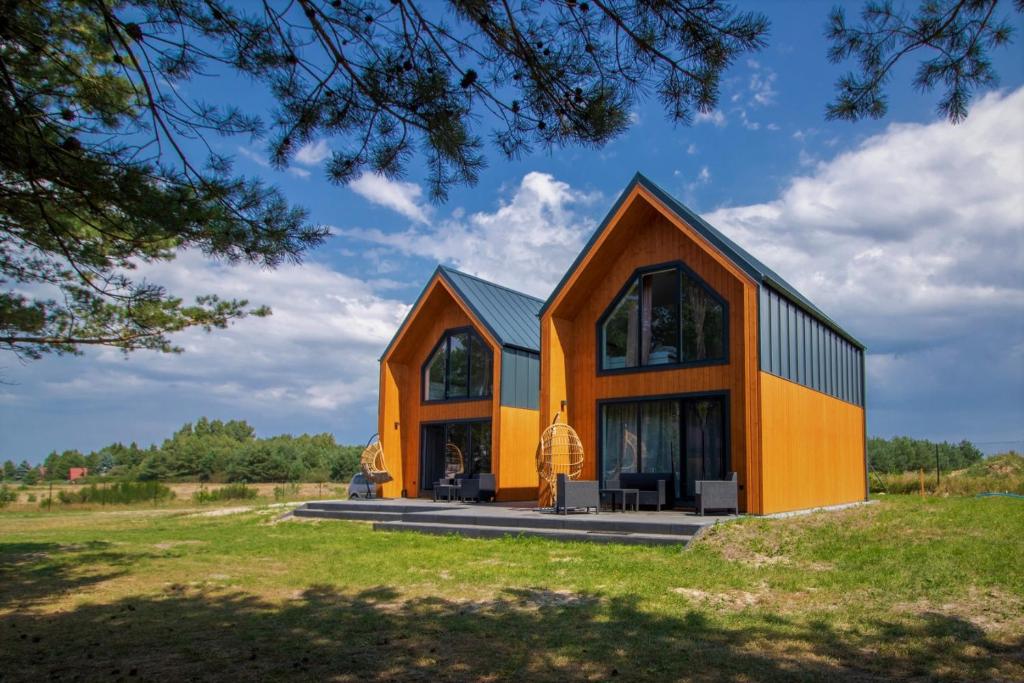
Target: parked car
(361, 487)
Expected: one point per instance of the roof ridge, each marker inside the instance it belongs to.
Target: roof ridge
(449, 269)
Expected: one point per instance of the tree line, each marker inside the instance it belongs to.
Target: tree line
(209, 450)
(903, 453)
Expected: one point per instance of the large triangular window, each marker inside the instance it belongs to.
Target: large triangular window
(664, 317)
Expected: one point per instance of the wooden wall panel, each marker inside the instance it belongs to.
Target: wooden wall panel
(645, 237)
(812, 447)
(516, 467)
(401, 392)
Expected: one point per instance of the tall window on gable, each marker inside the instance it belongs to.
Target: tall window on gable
(664, 317)
(459, 368)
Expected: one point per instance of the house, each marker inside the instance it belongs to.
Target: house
(462, 369)
(76, 473)
(672, 350)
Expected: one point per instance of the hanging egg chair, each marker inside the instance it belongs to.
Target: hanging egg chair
(453, 462)
(372, 464)
(560, 452)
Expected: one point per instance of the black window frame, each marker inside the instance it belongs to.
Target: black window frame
(445, 340)
(636, 278)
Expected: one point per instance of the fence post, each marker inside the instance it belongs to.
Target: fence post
(936, 467)
(921, 480)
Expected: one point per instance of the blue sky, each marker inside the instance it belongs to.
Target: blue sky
(908, 231)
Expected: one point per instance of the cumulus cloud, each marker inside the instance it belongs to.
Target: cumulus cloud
(395, 195)
(312, 153)
(715, 118)
(914, 241)
(526, 243)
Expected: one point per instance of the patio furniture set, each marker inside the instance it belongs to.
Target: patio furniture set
(477, 488)
(631, 490)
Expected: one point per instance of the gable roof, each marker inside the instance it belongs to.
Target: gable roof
(511, 317)
(759, 272)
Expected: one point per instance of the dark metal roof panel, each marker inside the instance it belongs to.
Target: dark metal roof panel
(511, 316)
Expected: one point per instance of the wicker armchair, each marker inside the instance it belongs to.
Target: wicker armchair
(718, 495)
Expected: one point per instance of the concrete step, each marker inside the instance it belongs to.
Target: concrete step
(486, 531)
(351, 515)
(602, 522)
(376, 506)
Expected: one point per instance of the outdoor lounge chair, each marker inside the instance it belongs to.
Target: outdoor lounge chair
(479, 487)
(576, 495)
(718, 495)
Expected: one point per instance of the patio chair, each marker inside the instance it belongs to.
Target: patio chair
(479, 488)
(575, 495)
(718, 495)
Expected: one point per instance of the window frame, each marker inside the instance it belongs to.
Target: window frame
(636, 277)
(475, 338)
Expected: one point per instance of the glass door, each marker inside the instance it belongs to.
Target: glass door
(682, 437)
(473, 439)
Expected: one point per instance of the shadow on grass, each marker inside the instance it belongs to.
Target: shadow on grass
(524, 634)
(32, 573)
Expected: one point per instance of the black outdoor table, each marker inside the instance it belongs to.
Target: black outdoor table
(623, 493)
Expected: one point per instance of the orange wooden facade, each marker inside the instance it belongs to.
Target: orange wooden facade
(784, 444)
(402, 412)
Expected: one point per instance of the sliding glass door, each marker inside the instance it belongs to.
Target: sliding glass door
(684, 437)
(472, 439)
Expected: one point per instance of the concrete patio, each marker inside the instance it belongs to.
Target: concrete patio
(495, 520)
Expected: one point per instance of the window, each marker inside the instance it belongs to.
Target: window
(459, 368)
(665, 317)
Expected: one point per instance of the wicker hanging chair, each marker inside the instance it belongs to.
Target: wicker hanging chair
(453, 461)
(560, 452)
(372, 464)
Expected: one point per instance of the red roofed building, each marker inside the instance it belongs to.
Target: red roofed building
(75, 473)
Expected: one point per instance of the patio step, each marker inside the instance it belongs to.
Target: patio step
(376, 506)
(351, 515)
(489, 531)
(604, 522)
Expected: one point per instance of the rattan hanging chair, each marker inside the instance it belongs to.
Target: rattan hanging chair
(372, 464)
(453, 461)
(560, 452)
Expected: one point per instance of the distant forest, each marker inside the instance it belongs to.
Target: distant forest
(902, 454)
(209, 450)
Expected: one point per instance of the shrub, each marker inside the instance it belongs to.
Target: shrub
(119, 493)
(7, 496)
(286, 491)
(31, 497)
(228, 492)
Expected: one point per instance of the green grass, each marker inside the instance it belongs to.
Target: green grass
(929, 588)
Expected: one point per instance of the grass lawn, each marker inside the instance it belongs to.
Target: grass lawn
(918, 588)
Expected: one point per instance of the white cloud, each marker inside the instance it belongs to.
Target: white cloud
(317, 351)
(913, 240)
(312, 153)
(761, 86)
(254, 156)
(715, 118)
(526, 243)
(395, 195)
(692, 149)
(299, 172)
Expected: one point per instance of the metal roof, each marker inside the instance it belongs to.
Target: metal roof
(761, 273)
(510, 316)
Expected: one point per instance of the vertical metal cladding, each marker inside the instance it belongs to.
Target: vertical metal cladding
(520, 378)
(797, 346)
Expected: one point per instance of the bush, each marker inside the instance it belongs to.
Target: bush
(31, 497)
(998, 474)
(7, 496)
(286, 491)
(119, 493)
(229, 492)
